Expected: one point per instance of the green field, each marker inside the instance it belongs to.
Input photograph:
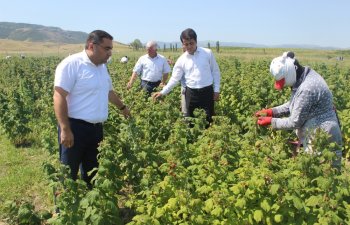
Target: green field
(39, 49)
(154, 169)
(22, 177)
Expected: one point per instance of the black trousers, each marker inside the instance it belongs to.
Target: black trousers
(83, 154)
(202, 98)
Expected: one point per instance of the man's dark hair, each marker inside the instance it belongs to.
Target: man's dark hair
(97, 36)
(188, 34)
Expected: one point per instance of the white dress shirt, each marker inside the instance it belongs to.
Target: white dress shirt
(151, 69)
(198, 70)
(88, 86)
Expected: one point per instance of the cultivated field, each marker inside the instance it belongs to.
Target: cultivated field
(154, 168)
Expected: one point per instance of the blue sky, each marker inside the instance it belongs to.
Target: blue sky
(268, 22)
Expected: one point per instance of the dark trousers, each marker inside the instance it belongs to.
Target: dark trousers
(202, 98)
(84, 152)
(149, 86)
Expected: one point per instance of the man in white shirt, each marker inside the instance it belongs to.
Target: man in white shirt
(82, 90)
(153, 69)
(201, 74)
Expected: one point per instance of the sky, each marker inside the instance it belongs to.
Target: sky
(323, 23)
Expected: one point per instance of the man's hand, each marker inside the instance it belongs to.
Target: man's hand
(216, 96)
(126, 113)
(67, 138)
(156, 95)
(162, 84)
(129, 85)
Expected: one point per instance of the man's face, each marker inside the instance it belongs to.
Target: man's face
(103, 51)
(189, 45)
(152, 51)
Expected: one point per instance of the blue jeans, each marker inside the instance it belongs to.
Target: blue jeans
(84, 152)
(149, 86)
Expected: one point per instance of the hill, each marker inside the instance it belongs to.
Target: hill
(39, 33)
(38, 40)
(29, 48)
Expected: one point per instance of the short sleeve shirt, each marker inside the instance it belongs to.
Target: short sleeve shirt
(152, 69)
(87, 85)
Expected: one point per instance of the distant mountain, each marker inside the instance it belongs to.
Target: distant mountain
(39, 33)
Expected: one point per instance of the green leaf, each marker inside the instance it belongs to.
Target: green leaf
(250, 193)
(143, 155)
(297, 203)
(217, 211)
(210, 180)
(278, 218)
(265, 205)
(274, 188)
(199, 219)
(235, 189)
(240, 203)
(96, 219)
(195, 202)
(140, 209)
(208, 205)
(275, 207)
(307, 209)
(268, 221)
(87, 212)
(84, 203)
(313, 201)
(288, 197)
(172, 203)
(155, 222)
(204, 189)
(159, 212)
(258, 215)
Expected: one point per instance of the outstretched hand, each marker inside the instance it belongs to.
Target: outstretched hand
(129, 85)
(264, 112)
(156, 95)
(126, 113)
(264, 120)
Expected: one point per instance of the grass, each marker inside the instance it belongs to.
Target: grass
(22, 176)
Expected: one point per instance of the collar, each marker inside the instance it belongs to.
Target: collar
(86, 57)
(301, 78)
(151, 57)
(198, 50)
